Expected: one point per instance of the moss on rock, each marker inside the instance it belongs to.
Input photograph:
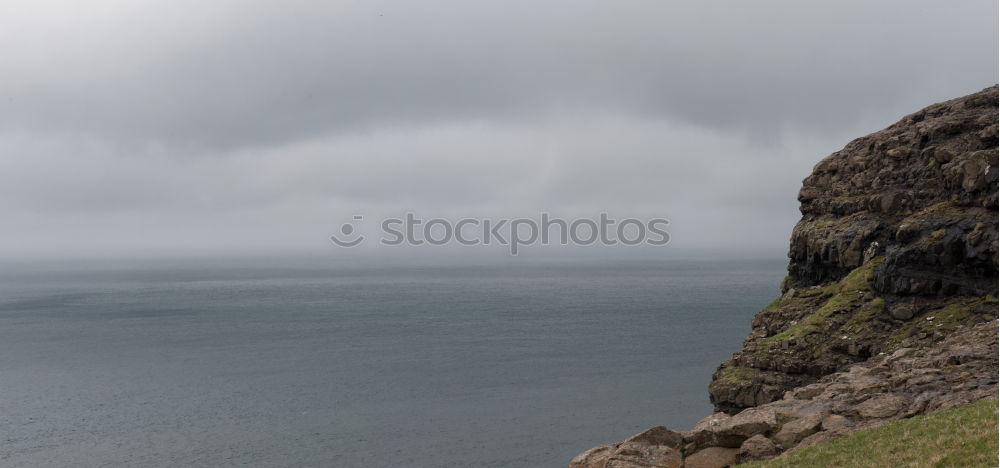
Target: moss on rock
(842, 296)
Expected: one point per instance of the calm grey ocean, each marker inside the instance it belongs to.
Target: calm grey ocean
(523, 364)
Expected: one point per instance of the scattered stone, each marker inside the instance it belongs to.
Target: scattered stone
(899, 354)
(903, 311)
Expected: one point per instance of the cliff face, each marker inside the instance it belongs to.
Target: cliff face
(897, 247)
(889, 309)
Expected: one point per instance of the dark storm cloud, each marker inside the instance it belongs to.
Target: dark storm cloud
(120, 118)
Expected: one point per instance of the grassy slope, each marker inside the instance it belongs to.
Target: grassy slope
(963, 436)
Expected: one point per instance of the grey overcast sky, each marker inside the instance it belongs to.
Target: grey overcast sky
(235, 126)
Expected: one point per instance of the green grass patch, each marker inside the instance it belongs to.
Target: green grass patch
(861, 321)
(829, 221)
(942, 209)
(956, 437)
(773, 305)
(944, 320)
(842, 294)
(737, 374)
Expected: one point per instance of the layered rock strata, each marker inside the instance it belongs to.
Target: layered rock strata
(898, 226)
(889, 309)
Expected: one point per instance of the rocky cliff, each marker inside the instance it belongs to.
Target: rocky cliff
(897, 228)
(889, 308)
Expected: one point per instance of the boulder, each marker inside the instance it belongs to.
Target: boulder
(712, 421)
(881, 406)
(807, 392)
(746, 424)
(698, 439)
(596, 457)
(903, 311)
(834, 421)
(655, 447)
(793, 432)
(712, 457)
(639, 455)
(658, 435)
(757, 447)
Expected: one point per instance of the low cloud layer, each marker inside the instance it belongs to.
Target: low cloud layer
(255, 126)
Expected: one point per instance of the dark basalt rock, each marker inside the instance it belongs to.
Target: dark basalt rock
(898, 226)
(917, 190)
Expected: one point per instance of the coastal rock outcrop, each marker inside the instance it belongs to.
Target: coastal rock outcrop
(958, 370)
(889, 309)
(897, 247)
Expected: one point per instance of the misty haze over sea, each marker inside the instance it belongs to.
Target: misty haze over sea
(522, 363)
